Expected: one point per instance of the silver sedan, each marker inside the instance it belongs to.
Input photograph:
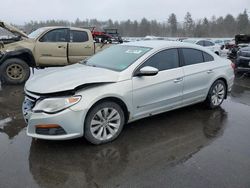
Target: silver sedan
(97, 97)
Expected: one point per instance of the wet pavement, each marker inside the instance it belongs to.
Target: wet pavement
(189, 147)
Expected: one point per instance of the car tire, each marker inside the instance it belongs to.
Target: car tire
(14, 71)
(104, 122)
(216, 94)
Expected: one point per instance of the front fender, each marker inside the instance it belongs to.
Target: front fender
(24, 54)
(119, 90)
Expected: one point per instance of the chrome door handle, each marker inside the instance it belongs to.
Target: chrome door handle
(178, 80)
(210, 71)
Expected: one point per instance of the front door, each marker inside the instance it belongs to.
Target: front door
(153, 94)
(51, 48)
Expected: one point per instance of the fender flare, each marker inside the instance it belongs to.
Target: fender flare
(24, 54)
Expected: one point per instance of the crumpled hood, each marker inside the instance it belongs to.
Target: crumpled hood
(68, 78)
(13, 30)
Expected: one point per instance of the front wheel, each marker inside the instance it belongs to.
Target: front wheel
(216, 94)
(104, 123)
(14, 71)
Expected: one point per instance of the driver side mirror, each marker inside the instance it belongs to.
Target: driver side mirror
(147, 71)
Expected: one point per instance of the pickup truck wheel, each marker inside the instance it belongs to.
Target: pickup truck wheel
(15, 71)
(104, 122)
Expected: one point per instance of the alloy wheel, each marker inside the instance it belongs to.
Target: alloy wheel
(218, 94)
(105, 123)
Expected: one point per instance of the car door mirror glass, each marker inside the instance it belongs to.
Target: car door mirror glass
(148, 71)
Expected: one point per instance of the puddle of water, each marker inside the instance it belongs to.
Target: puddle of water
(209, 144)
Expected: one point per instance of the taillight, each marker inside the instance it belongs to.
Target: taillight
(233, 65)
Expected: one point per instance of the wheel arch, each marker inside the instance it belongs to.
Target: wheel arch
(117, 100)
(225, 82)
(23, 54)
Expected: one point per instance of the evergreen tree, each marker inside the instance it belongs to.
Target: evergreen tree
(172, 21)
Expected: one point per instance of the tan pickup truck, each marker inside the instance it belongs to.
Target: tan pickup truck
(45, 47)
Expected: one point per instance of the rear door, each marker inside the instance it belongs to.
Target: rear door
(198, 74)
(152, 94)
(81, 45)
(51, 48)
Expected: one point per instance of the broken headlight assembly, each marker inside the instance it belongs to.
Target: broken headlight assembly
(1, 53)
(54, 105)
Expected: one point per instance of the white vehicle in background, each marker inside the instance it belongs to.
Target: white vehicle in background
(124, 83)
(154, 38)
(207, 44)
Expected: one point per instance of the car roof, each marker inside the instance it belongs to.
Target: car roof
(158, 44)
(61, 27)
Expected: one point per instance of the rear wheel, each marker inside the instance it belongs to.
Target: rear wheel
(104, 123)
(216, 94)
(14, 71)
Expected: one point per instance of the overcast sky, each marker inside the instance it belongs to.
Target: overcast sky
(20, 11)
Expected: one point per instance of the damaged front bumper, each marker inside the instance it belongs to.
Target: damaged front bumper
(63, 125)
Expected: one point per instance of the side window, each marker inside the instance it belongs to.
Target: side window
(78, 36)
(192, 56)
(208, 43)
(201, 43)
(164, 60)
(56, 35)
(207, 57)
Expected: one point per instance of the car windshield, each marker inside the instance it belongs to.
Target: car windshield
(36, 33)
(117, 57)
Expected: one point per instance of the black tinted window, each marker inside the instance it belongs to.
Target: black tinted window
(57, 35)
(207, 57)
(200, 43)
(78, 36)
(163, 60)
(208, 43)
(192, 56)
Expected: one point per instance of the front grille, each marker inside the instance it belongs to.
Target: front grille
(28, 104)
(50, 131)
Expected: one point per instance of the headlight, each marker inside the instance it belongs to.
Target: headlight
(53, 105)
